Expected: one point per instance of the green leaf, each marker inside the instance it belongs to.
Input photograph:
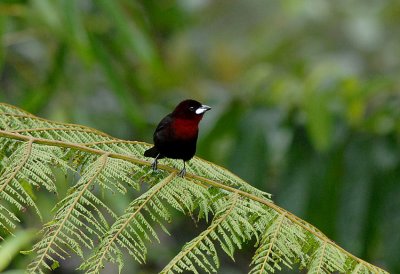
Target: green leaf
(12, 245)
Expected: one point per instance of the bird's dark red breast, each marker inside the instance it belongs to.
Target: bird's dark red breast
(186, 129)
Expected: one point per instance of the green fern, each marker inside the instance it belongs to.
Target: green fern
(85, 224)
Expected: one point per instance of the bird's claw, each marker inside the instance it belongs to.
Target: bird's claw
(182, 173)
(154, 165)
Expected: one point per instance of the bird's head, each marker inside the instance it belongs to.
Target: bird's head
(190, 110)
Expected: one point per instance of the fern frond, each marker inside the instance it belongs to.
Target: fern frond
(131, 230)
(134, 227)
(69, 221)
(10, 109)
(87, 224)
(21, 122)
(28, 162)
(282, 242)
(230, 228)
(320, 264)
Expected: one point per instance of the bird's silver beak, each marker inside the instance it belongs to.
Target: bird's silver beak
(202, 109)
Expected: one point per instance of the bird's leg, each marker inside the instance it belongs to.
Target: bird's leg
(154, 164)
(182, 173)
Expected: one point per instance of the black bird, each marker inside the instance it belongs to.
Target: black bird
(176, 135)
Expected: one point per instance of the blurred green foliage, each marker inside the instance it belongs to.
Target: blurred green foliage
(305, 96)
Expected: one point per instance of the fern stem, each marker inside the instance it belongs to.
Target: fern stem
(113, 142)
(273, 241)
(322, 257)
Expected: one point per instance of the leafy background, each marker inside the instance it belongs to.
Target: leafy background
(305, 98)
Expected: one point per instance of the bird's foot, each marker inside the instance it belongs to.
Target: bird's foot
(182, 173)
(154, 165)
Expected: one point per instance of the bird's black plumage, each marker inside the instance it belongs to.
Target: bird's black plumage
(176, 135)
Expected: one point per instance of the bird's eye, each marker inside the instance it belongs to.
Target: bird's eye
(191, 108)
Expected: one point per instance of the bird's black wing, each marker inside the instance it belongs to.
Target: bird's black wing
(162, 129)
(163, 125)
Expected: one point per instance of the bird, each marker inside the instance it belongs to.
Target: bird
(176, 135)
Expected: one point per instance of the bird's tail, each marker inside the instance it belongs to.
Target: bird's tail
(152, 152)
